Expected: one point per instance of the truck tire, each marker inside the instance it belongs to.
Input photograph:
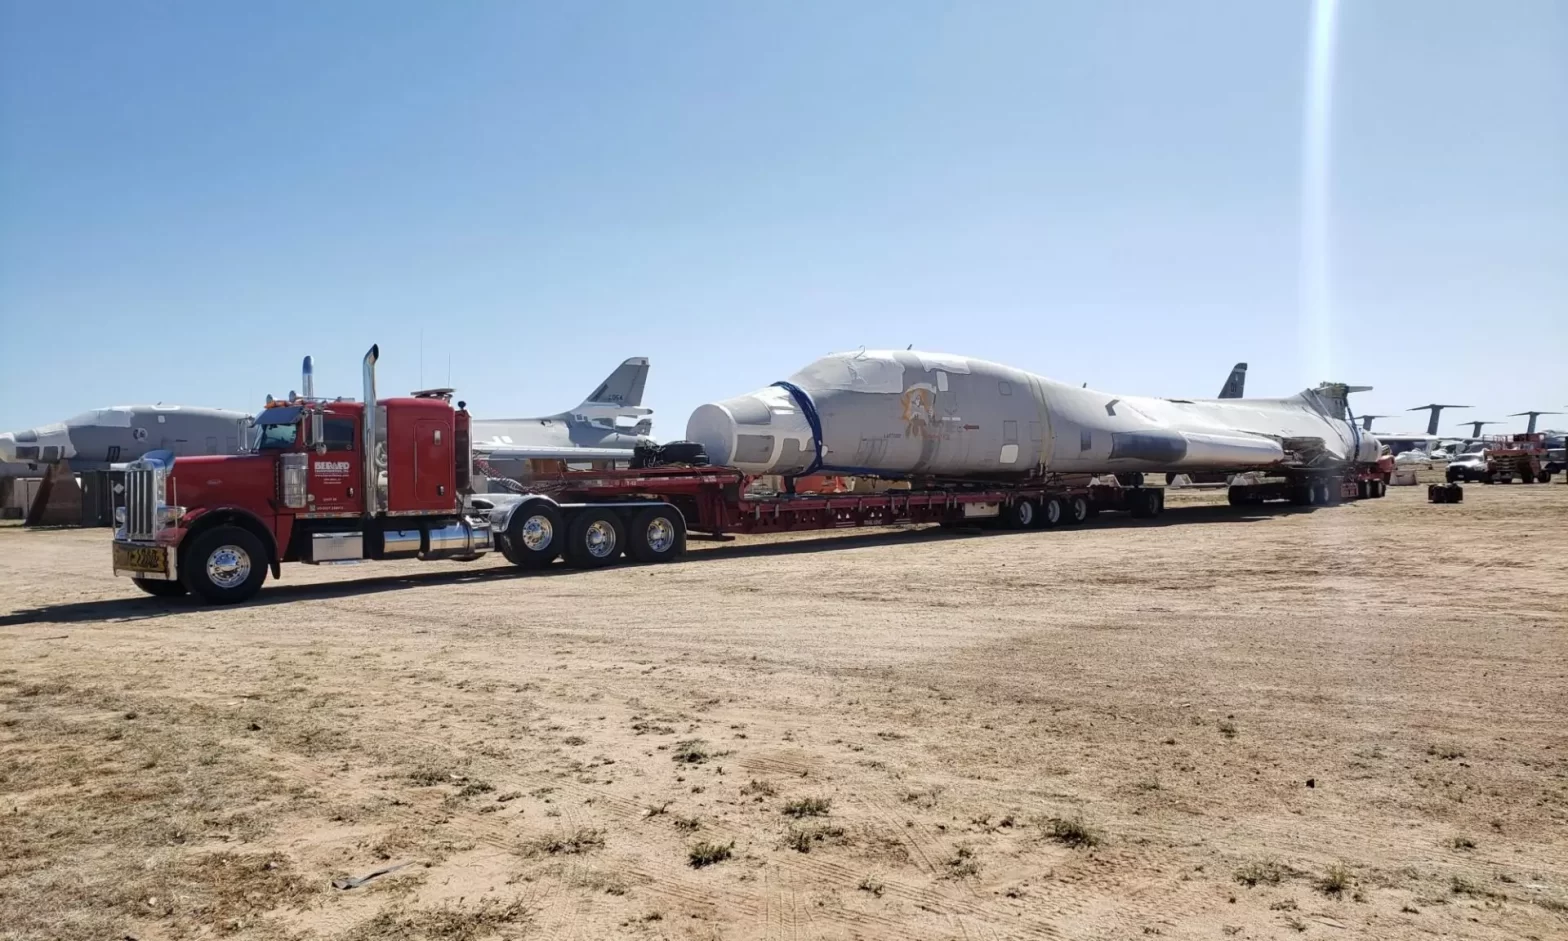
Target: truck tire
(159, 588)
(1145, 503)
(1238, 496)
(225, 565)
(594, 538)
(1051, 512)
(533, 535)
(1453, 475)
(1544, 477)
(1022, 513)
(658, 534)
(1077, 510)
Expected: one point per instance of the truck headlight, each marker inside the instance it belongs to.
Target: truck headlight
(170, 514)
(119, 516)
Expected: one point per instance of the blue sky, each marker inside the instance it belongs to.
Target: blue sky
(193, 195)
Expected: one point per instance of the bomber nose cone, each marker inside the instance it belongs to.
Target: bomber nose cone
(760, 433)
(713, 427)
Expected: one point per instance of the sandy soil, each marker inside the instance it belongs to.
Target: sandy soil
(1349, 722)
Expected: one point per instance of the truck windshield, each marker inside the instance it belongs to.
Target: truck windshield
(277, 427)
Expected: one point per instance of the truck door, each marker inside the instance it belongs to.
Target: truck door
(334, 473)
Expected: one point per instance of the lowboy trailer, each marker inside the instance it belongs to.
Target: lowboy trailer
(336, 481)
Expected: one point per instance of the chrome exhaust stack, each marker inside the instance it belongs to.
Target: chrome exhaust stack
(368, 427)
(308, 379)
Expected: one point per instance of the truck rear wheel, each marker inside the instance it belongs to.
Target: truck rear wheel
(1051, 512)
(595, 538)
(1077, 510)
(658, 534)
(159, 588)
(533, 535)
(225, 565)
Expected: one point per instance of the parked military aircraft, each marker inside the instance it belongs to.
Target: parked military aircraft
(914, 413)
(94, 440)
(1236, 386)
(607, 426)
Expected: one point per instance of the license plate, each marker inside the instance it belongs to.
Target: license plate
(153, 559)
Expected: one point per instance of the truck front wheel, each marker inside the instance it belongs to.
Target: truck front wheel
(159, 588)
(225, 565)
(533, 535)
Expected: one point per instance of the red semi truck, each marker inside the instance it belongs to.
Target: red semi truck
(334, 481)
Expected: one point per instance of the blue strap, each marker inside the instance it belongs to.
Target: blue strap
(1355, 433)
(809, 409)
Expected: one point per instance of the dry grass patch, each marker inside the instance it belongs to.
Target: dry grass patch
(1265, 872)
(707, 854)
(693, 751)
(490, 918)
(574, 843)
(808, 807)
(1072, 831)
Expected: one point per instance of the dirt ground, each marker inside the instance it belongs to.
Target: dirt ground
(1251, 723)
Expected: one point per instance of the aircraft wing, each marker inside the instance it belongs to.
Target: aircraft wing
(511, 452)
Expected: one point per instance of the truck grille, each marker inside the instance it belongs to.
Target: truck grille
(143, 493)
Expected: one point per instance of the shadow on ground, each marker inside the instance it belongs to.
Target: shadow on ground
(146, 607)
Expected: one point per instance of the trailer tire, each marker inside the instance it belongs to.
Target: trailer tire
(160, 588)
(1238, 496)
(533, 535)
(595, 538)
(1022, 513)
(658, 534)
(1051, 512)
(1145, 503)
(224, 565)
(1077, 510)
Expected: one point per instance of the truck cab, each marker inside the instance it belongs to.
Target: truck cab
(326, 481)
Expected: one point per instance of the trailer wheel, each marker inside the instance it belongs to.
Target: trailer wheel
(225, 565)
(160, 588)
(1077, 510)
(595, 538)
(533, 535)
(1237, 496)
(1021, 514)
(1051, 512)
(658, 534)
(1145, 503)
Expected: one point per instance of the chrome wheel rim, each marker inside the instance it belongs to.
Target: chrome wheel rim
(228, 566)
(537, 533)
(600, 539)
(661, 535)
(1026, 513)
(1053, 511)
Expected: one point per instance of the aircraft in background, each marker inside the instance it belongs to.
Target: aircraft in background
(1436, 410)
(608, 426)
(94, 440)
(1236, 385)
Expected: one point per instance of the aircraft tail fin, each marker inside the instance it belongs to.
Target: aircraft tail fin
(1236, 385)
(622, 387)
